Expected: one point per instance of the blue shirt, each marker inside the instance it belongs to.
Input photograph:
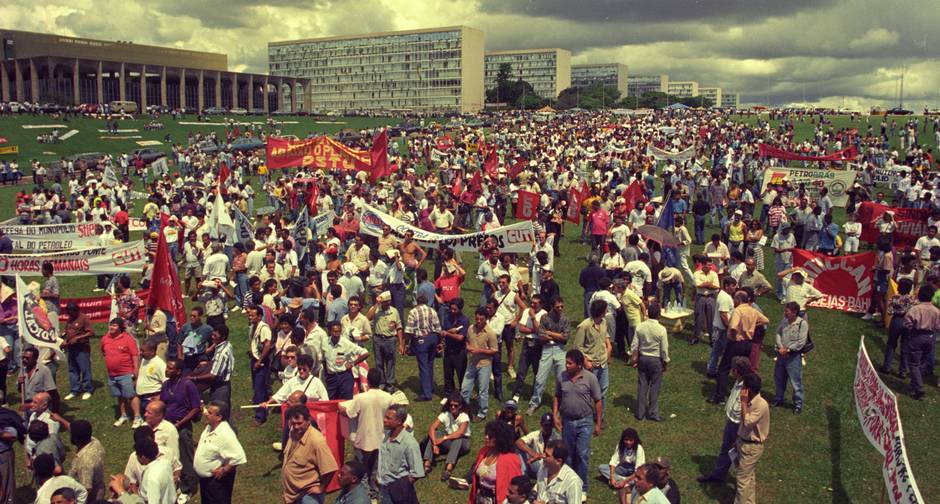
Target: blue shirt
(336, 309)
(426, 288)
(399, 458)
(827, 238)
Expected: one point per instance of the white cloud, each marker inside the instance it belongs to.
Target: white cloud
(875, 38)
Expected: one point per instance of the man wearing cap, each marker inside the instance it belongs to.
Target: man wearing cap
(535, 441)
(667, 485)
(387, 332)
(798, 290)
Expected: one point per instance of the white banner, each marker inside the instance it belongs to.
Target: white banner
(125, 258)
(664, 155)
(877, 409)
(33, 321)
(517, 238)
(885, 176)
(136, 224)
(837, 181)
(52, 237)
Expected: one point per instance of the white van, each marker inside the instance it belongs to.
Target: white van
(128, 107)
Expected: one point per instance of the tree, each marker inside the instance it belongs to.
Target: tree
(591, 97)
(503, 92)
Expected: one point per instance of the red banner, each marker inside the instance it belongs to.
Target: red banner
(527, 208)
(378, 157)
(845, 281)
(911, 222)
(319, 152)
(575, 198)
(334, 427)
(166, 283)
(765, 150)
(445, 143)
(98, 308)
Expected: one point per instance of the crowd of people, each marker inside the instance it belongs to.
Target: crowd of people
(320, 302)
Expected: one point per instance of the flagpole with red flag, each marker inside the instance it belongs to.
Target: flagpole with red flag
(224, 173)
(378, 154)
(165, 292)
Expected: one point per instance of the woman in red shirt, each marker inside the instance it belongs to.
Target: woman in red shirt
(496, 465)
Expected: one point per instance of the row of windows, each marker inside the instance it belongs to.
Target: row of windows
(399, 57)
(426, 41)
(511, 58)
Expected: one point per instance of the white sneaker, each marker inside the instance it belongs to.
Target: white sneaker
(86, 396)
(69, 397)
(137, 423)
(512, 372)
(867, 316)
(182, 499)
(96, 289)
(277, 445)
(121, 421)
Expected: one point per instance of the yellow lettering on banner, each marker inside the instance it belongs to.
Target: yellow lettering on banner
(10, 149)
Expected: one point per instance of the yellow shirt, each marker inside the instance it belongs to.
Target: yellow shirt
(632, 304)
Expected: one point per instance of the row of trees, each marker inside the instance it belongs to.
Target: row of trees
(520, 94)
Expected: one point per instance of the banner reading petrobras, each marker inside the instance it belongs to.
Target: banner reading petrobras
(877, 409)
(846, 281)
(517, 238)
(52, 237)
(126, 258)
(317, 152)
(837, 181)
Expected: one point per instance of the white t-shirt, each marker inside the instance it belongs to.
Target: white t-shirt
(369, 408)
(151, 375)
(723, 303)
(156, 484)
(452, 425)
(924, 244)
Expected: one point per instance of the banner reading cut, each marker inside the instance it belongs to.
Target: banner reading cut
(877, 409)
(52, 237)
(837, 181)
(318, 152)
(911, 222)
(517, 238)
(126, 258)
(846, 281)
(33, 321)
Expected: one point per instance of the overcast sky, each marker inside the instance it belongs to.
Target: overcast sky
(836, 52)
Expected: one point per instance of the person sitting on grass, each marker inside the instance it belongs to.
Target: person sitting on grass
(626, 458)
(455, 422)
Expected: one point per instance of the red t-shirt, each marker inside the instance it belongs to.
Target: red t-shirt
(119, 354)
(448, 287)
(121, 218)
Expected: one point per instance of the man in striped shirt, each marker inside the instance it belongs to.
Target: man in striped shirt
(219, 375)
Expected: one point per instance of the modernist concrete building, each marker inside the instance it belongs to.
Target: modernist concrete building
(42, 68)
(712, 93)
(429, 70)
(683, 89)
(608, 74)
(730, 101)
(638, 85)
(547, 70)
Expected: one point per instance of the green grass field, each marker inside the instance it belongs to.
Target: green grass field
(819, 456)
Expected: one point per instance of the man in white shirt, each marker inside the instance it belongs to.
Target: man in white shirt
(164, 433)
(216, 265)
(156, 484)
(646, 490)
(369, 408)
(304, 381)
(925, 243)
(556, 482)
(217, 456)
(48, 483)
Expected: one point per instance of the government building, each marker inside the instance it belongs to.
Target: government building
(44, 68)
(639, 85)
(422, 71)
(609, 74)
(547, 70)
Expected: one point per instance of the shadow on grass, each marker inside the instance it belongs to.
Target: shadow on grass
(833, 418)
(708, 384)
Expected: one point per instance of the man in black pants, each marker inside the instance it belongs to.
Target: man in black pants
(744, 323)
(531, 352)
(454, 330)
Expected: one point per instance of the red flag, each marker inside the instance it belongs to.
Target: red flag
(491, 164)
(528, 205)
(224, 173)
(379, 157)
(574, 206)
(457, 187)
(476, 182)
(632, 194)
(517, 168)
(313, 194)
(165, 291)
(235, 132)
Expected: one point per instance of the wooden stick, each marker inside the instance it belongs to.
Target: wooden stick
(884, 494)
(253, 406)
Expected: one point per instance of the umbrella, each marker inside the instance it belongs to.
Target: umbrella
(658, 235)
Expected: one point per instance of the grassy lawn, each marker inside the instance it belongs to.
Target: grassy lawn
(819, 456)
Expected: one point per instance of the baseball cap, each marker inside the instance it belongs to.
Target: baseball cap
(546, 418)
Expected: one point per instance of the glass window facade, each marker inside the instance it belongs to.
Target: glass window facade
(549, 72)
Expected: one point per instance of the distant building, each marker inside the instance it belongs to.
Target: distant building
(429, 70)
(41, 67)
(547, 70)
(711, 93)
(638, 85)
(731, 100)
(608, 74)
(683, 89)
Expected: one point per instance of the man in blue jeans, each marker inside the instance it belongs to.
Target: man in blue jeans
(259, 348)
(482, 345)
(554, 330)
(791, 337)
(576, 407)
(423, 327)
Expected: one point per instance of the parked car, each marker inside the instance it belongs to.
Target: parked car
(148, 155)
(245, 144)
(87, 108)
(51, 108)
(91, 159)
(239, 111)
(16, 107)
(207, 146)
(256, 111)
(214, 111)
(280, 113)
(128, 107)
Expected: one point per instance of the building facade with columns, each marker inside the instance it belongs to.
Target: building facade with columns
(48, 68)
(425, 71)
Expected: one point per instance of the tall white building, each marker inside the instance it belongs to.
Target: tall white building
(428, 70)
(547, 70)
(608, 74)
(712, 93)
(638, 85)
(731, 100)
(683, 89)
